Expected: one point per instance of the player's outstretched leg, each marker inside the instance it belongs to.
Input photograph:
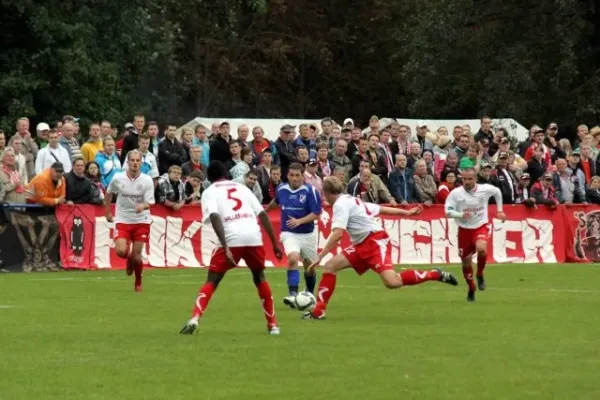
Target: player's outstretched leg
(481, 247)
(310, 277)
(266, 298)
(408, 277)
(467, 268)
(135, 259)
(293, 279)
(327, 286)
(204, 296)
(122, 248)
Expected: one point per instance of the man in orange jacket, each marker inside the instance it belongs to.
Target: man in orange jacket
(48, 188)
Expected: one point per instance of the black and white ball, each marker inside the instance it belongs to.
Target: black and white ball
(305, 301)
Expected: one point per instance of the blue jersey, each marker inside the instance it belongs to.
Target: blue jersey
(297, 203)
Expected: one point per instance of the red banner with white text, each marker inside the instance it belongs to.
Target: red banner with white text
(179, 239)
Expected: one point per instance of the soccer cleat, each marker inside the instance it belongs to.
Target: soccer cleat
(274, 330)
(290, 301)
(310, 315)
(481, 283)
(129, 269)
(190, 327)
(471, 296)
(447, 277)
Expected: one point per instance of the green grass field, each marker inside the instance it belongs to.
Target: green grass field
(534, 334)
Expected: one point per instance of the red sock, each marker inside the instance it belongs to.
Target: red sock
(468, 274)
(326, 289)
(266, 297)
(414, 277)
(203, 298)
(481, 261)
(138, 267)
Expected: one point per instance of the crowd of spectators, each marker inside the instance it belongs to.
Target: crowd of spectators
(381, 164)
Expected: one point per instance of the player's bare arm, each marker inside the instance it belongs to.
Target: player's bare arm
(142, 207)
(398, 211)
(107, 206)
(332, 242)
(294, 222)
(272, 205)
(217, 223)
(499, 206)
(266, 223)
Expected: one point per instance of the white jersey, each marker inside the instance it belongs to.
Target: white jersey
(356, 217)
(475, 202)
(238, 207)
(131, 192)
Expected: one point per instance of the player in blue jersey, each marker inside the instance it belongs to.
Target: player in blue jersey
(300, 207)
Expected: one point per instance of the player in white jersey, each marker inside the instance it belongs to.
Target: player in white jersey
(232, 209)
(469, 206)
(371, 247)
(135, 194)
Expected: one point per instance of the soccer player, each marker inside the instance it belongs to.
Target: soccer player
(135, 194)
(232, 209)
(469, 206)
(371, 248)
(300, 206)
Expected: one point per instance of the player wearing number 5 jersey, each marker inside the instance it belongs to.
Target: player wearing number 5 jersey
(469, 206)
(232, 209)
(371, 248)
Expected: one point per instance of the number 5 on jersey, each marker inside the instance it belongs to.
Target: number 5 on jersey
(231, 196)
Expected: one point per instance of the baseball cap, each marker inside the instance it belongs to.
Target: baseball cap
(58, 167)
(421, 124)
(503, 154)
(575, 152)
(129, 125)
(42, 126)
(374, 118)
(224, 123)
(348, 121)
(312, 161)
(547, 175)
(486, 165)
(70, 117)
(288, 128)
(525, 175)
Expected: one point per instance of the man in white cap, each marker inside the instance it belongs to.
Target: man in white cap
(349, 123)
(41, 136)
(425, 143)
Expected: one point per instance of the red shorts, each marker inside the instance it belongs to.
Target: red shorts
(253, 255)
(132, 232)
(468, 237)
(375, 253)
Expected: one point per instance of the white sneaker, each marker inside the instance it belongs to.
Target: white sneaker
(274, 330)
(190, 327)
(290, 301)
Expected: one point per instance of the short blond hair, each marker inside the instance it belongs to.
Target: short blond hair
(333, 185)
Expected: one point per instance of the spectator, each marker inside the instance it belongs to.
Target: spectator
(537, 166)
(440, 154)
(574, 166)
(270, 186)
(187, 138)
(70, 142)
(80, 190)
(259, 144)
(106, 130)
(2, 141)
(170, 191)
(340, 174)
(246, 165)
(340, 159)
(375, 180)
(457, 132)
(154, 140)
(353, 146)
(194, 187)
(41, 135)
(566, 185)
(552, 144)
(29, 148)
(235, 149)
(10, 178)
(242, 135)
(526, 144)
(170, 151)
(326, 137)
(485, 132)
(523, 195)
(219, 148)
(325, 166)
(49, 187)
(499, 136)
(311, 176)
(108, 161)
(504, 179)
(451, 164)
(543, 191)
(149, 164)
(462, 146)
(304, 140)
(484, 147)
(538, 142)
(428, 158)
(448, 184)
(195, 162)
(472, 159)
(387, 150)
(414, 155)
(582, 130)
(264, 167)
(589, 140)
(504, 147)
(16, 142)
(424, 183)
(92, 172)
(593, 194)
(251, 181)
(402, 182)
(93, 145)
(376, 158)
(565, 144)
(373, 125)
(53, 153)
(302, 155)
(367, 190)
(285, 149)
(201, 140)
(215, 131)
(484, 174)
(587, 162)
(422, 130)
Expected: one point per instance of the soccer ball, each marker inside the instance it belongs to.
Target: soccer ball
(305, 301)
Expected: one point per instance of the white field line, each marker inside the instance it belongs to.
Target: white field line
(166, 280)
